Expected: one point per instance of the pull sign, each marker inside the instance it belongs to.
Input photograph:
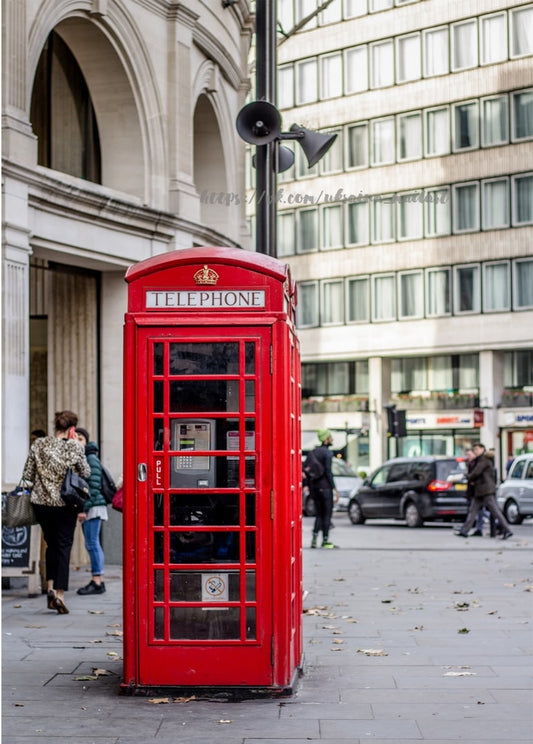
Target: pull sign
(141, 472)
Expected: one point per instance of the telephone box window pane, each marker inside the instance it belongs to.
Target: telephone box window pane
(250, 509)
(201, 508)
(159, 556)
(204, 359)
(158, 510)
(250, 623)
(203, 586)
(249, 391)
(158, 396)
(197, 546)
(159, 586)
(202, 395)
(249, 353)
(250, 547)
(159, 623)
(250, 586)
(159, 432)
(201, 623)
(158, 359)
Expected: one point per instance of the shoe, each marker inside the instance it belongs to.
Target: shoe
(329, 545)
(506, 535)
(477, 533)
(313, 542)
(460, 534)
(51, 600)
(92, 588)
(61, 607)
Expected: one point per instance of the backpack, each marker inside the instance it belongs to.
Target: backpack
(313, 468)
(108, 485)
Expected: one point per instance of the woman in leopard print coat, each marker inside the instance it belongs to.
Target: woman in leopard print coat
(45, 469)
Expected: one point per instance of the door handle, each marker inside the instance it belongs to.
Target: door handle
(141, 472)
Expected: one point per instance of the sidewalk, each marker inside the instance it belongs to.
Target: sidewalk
(409, 636)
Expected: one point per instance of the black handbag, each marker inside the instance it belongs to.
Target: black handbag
(17, 510)
(74, 490)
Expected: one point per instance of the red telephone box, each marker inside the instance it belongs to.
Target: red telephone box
(212, 473)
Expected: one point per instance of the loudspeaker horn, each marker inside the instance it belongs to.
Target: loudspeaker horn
(284, 160)
(259, 123)
(314, 144)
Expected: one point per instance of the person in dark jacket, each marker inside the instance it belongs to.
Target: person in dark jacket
(322, 490)
(482, 480)
(94, 513)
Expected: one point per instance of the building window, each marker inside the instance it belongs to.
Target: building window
(329, 378)
(467, 296)
(286, 14)
(361, 377)
(440, 373)
(522, 31)
(306, 81)
(382, 138)
(383, 222)
(436, 51)
(409, 374)
(331, 162)
(303, 9)
(495, 203)
(464, 45)
(357, 146)
(307, 230)
(331, 75)
(358, 299)
(332, 232)
(382, 64)
(496, 286)
(523, 284)
(410, 215)
(466, 207)
(493, 33)
(523, 199)
(355, 8)
(437, 205)
(518, 369)
(333, 302)
(377, 5)
(495, 129)
(438, 292)
(383, 297)
(411, 294)
(286, 233)
(307, 307)
(357, 219)
(408, 63)
(302, 166)
(286, 87)
(437, 139)
(467, 373)
(332, 14)
(410, 136)
(355, 70)
(522, 115)
(466, 136)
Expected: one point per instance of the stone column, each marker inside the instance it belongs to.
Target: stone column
(490, 395)
(379, 373)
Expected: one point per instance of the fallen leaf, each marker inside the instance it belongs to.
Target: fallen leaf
(114, 625)
(96, 640)
(463, 630)
(339, 578)
(386, 601)
(225, 720)
(17, 606)
(159, 701)
(112, 653)
(184, 699)
(115, 633)
(492, 612)
(418, 627)
(18, 705)
(86, 678)
(462, 606)
(102, 673)
(338, 641)
(460, 674)
(96, 612)
(35, 626)
(372, 651)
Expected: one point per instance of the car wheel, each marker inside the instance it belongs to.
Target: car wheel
(354, 512)
(512, 513)
(413, 518)
(310, 507)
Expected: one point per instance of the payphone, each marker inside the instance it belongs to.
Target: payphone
(212, 473)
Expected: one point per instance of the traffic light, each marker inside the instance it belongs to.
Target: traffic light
(395, 422)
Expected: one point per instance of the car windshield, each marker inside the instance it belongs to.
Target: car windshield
(447, 468)
(340, 467)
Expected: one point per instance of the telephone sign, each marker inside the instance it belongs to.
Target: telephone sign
(212, 529)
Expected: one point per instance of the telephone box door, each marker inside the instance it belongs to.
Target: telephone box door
(204, 522)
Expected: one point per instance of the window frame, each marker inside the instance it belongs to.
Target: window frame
(321, 78)
(373, 123)
(336, 147)
(323, 209)
(482, 61)
(485, 266)
(456, 287)
(428, 203)
(455, 107)
(502, 97)
(514, 138)
(435, 270)
(375, 278)
(352, 279)
(298, 66)
(514, 285)
(374, 45)
(477, 226)
(399, 204)
(347, 128)
(425, 133)
(399, 119)
(485, 211)
(323, 284)
(299, 212)
(514, 179)
(427, 33)
(397, 59)
(387, 199)
(346, 67)
(349, 204)
(399, 294)
(316, 316)
(285, 214)
(453, 26)
(512, 12)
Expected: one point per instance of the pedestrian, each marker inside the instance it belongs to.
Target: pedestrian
(92, 516)
(478, 532)
(483, 481)
(322, 489)
(36, 434)
(47, 463)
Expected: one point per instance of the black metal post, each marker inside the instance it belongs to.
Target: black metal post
(265, 197)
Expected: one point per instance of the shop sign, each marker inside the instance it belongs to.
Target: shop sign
(442, 421)
(514, 418)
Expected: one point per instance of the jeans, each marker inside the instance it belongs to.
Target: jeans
(91, 531)
(324, 508)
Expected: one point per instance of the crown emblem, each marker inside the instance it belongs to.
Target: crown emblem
(205, 275)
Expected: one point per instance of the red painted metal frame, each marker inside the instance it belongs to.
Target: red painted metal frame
(279, 583)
